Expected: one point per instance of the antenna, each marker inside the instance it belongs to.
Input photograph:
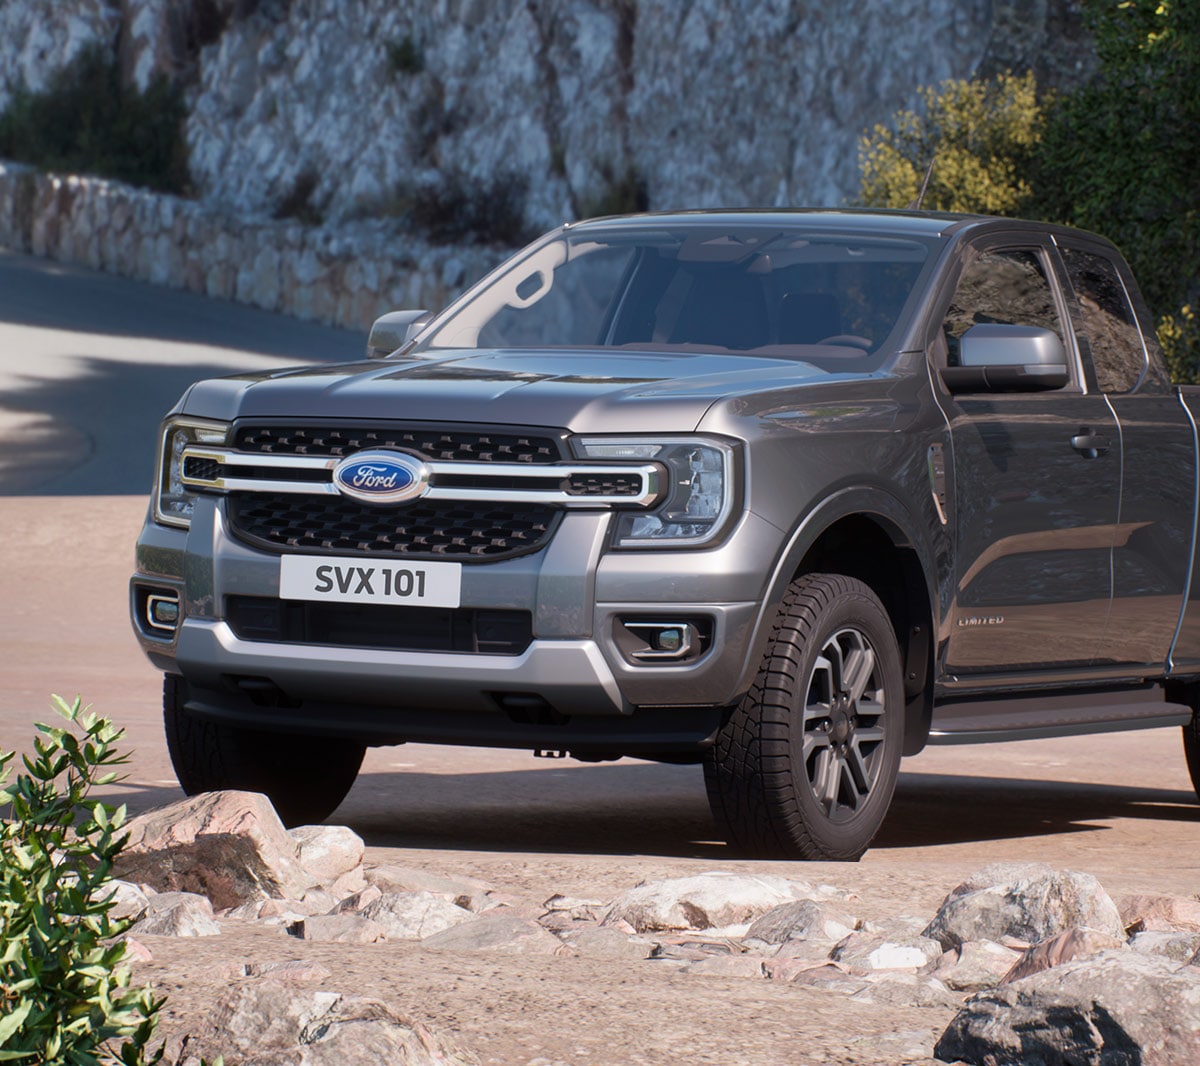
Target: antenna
(916, 204)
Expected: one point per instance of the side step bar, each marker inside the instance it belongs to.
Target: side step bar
(1062, 714)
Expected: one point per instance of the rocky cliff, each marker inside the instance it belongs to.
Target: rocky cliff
(510, 115)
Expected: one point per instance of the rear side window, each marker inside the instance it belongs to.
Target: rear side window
(1106, 324)
(1008, 287)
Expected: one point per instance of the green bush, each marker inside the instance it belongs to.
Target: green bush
(87, 122)
(1117, 156)
(980, 137)
(64, 997)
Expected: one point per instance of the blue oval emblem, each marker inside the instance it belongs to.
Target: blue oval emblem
(381, 477)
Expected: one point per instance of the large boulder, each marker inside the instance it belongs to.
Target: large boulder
(499, 932)
(1160, 914)
(228, 846)
(276, 1023)
(1117, 1009)
(1073, 944)
(1030, 902)
(176, 914)
(332, 856)
(414, 915)
(711, 900)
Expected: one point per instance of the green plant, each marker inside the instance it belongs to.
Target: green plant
(405, 56)
(1179, 335)
(64, 997)
(482, 211)
(981, 137)
(88, 121)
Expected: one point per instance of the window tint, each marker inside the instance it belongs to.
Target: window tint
(1008, 287)
(1106, 321)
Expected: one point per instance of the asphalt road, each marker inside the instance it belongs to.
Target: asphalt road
(87, 365)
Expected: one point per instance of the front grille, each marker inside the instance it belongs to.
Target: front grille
(605, 485)
(201, 469)
(467, 446)
(347, 625)
(434, 529)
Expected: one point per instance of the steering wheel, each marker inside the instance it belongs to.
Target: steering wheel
(849, 340)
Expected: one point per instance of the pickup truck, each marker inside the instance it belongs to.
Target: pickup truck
(789, 494)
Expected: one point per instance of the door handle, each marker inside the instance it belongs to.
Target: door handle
(1090, 445)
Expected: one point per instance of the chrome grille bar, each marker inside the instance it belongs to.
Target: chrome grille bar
(553, 475)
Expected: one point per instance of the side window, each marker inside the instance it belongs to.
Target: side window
(1008, 287)
(1107, 325)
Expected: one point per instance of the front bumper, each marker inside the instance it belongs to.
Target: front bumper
(573, 681)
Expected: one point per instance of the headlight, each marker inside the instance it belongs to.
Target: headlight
(699, 488)
(173, 504)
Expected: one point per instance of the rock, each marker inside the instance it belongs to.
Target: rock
(810, 950)
(579, 910)
(907, 990)
(827, 975)
(727, 966)
(332, 856)
(290, 970)
(228, 846)
(1118, 1008)
(136, 951)
(976, 965)
(712, 900)
(801, 920)
(414, 915)
(1160, 914)
(129, 901)
(895, 927)
(1028, 901)
(598, 942)
(177, 914)
(1073, 944)
(339, 929)
(497, 932)
(357, 901)
(464, 891)
(1179, 947)
(866, 953)
(274, 1023)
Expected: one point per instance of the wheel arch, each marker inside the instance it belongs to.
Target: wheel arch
(869, 534)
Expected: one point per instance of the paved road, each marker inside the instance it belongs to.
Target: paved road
(1120, 805)
(89, 363)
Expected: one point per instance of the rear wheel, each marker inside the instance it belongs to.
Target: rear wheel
(305, 777)
(806, 764)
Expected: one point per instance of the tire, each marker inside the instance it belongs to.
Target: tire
(1191, 748)
(806, 765)
(305, 777)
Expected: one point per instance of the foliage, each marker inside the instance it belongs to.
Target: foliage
(64, 997)
(1117, 156)
(87, 121)
(1179, 336)
(980, 137)
(622, 194)
(481, 211)
(1121, 154)
(405, 56)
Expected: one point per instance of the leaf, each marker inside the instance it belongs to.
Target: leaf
(10, 1023)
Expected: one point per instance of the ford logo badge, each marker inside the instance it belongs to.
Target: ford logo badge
(381, 477)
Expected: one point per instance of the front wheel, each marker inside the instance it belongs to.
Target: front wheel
(807, 763)
(305, 777)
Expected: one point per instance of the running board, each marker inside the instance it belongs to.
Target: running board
(983, 720)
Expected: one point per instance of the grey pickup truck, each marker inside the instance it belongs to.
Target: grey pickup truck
(788, 494)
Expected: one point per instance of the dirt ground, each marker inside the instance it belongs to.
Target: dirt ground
(1119, 806)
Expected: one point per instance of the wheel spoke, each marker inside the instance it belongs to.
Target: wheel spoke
(814, 740)
(856, 767)
(860, 665)
(872, 734)
(825, 781)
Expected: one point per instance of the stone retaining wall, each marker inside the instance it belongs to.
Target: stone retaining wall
(345, 277)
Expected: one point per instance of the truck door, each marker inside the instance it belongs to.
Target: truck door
(1152, 546)
(1037, 485)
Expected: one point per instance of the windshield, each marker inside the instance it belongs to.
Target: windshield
(818, 297)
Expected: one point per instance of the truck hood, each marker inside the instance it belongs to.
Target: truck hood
(582, 391)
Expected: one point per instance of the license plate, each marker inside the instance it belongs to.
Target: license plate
(304, 577)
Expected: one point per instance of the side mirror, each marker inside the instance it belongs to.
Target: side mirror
(995, 357)
(394, 330)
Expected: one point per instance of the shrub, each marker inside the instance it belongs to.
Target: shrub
(86, 121)
(459, 208)
(980, 137)
(621, 194)
(405, 56)
(64, 996)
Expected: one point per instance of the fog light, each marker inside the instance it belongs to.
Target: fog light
(668, 640)
(162, 612)
(644, 641)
